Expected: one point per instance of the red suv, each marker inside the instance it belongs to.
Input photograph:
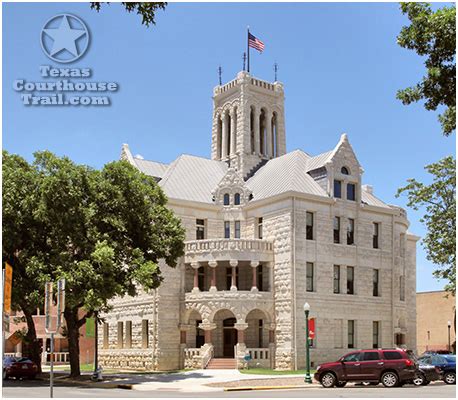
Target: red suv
(392, 367)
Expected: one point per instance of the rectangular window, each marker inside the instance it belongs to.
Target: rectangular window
(351, 334)
(375, 334)
(120, 334)
(106, 332)
(309, 283)
(128, 334)
(260, 331)
(260, 228)
(338, 189)
(351, 231)
(309, 223)
(145, 334)
(336, 229)
(351, 191)
(227, 229)
(336, 278)
(260, 276)
(375, 235)
(350, 280)
(401, 288)
(201, 278)
(375, 282)
(237, 230)
(200, 229)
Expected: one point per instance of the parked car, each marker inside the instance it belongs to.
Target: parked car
(446, 365)
(391, 367)
(19, 367)
(425, 374)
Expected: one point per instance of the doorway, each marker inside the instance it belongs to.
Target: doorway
(229, 337)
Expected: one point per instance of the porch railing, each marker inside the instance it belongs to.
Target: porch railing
(260, 357)
(59, 357)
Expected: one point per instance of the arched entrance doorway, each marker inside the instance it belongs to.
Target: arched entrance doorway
(225, 334)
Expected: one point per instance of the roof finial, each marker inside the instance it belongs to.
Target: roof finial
(220, 71)
(244, 61)
(276, 70)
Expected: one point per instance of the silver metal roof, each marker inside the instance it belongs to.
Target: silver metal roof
(151, 168)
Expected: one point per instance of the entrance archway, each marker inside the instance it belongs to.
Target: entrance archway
(225, 334)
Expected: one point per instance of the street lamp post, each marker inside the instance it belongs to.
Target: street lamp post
(449, 324)
(308, 378)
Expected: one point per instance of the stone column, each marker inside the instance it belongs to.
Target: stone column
(254, 265)
(224, 136)
(257, 133)
(207, 327)
(272, 345)
(196, 266)
(240, 348)
(233, 264)
(269, 150)
(233, 132)
(213, 265)
(184, 328)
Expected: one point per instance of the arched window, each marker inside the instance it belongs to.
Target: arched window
(237, 199)
(226, 199)
(345, 171)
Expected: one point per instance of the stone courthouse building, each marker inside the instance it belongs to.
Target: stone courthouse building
(266, 232)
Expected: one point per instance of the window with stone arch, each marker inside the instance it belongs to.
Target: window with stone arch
(226, 199)
(274, 135)
(237, 199)
(345, 171)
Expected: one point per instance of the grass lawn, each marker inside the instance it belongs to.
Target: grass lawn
(267, 371)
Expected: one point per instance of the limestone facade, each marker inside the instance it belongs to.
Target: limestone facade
(267, 231)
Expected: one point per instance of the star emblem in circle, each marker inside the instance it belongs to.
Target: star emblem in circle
(65, 38)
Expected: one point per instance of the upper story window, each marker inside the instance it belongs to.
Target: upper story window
(375, 282)
(351, 231)
(226, 199)
(345, 171)
(260, 228)
(237, 199)
(336, 229)
(309, 225)
(337, 189)
(227, 229)
(200, 229)
(351, 334)
(375, 235)
(336, 278)
(309, 277)
(402, 288)
(351, 191)
(350, 280)
(237, 229)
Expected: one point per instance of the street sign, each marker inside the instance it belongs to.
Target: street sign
(48, 305)
(8, 284)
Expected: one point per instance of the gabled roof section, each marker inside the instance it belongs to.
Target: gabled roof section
(284, 174)
(152, 168)
(369, 199)
(192, 178)
(322, 159)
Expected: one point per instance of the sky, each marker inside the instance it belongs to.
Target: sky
(339, 63)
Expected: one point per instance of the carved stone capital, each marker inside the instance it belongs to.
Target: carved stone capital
(233, 263)
(213, 264)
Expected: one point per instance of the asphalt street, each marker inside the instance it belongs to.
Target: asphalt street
(27, 389)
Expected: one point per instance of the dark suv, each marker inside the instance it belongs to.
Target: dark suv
(392, 367)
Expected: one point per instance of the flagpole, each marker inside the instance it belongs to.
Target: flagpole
(248, 47)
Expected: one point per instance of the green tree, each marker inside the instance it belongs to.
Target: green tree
(438, 200)
(22, 240)
(105, 232)
(146, 10)
(433, 36)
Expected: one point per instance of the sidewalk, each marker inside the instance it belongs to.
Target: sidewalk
(197, 381)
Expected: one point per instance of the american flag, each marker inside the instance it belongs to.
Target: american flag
(255, 43)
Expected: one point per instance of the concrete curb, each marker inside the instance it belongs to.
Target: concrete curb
(236, 389)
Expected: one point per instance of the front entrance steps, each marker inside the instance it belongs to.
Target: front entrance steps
(222, 363)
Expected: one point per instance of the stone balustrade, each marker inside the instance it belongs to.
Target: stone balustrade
(198, 358)
(228, 249)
